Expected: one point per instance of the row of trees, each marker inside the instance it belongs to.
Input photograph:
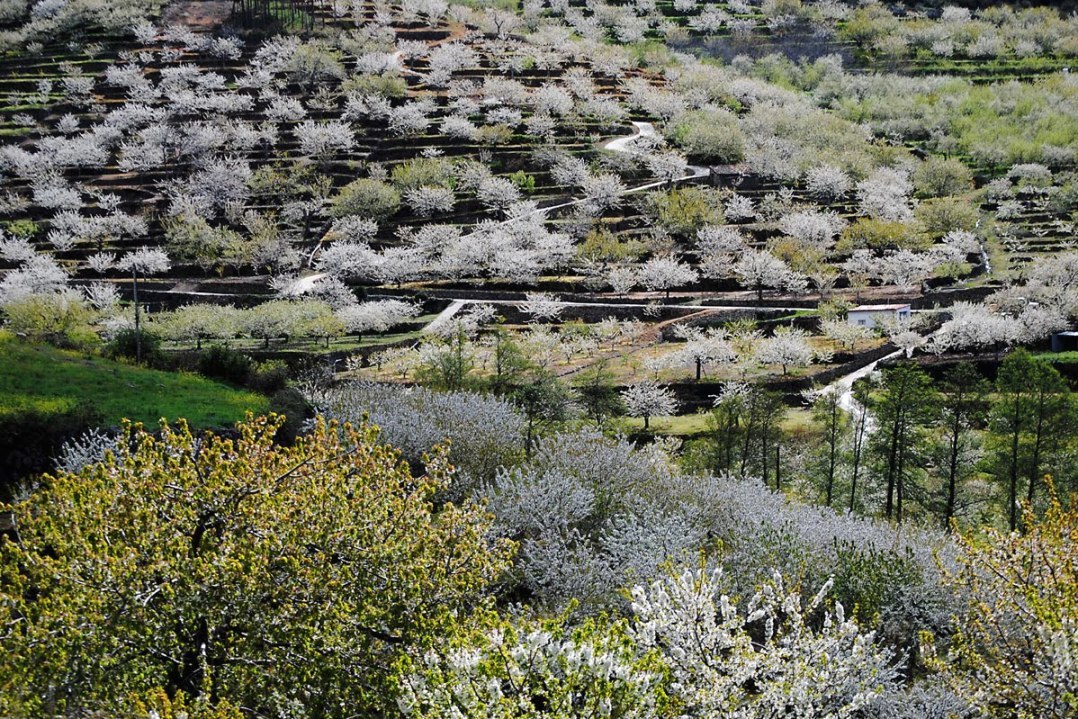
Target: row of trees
(904, 445)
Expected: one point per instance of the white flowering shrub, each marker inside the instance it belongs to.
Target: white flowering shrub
(37, 275)
(827, 182)
(428, 201)
(16, 249)
(484, 433)
(813, 227)
(928, 699)
(542, 307)
(774, 656)
(666, 273)
(602, 192)
(319, 139)
(760, 270)
(526, 669)
(586, 513)
(102, 296)
(740, 208)
(701, 349)
(974, 326)
(86, 449)
(145, 261)
(497, 193)
(787, 347)
(667, 166)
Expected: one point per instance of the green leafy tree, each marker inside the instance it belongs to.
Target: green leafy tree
(942, 176)
(905, 403)
(190, 238)
(710, 136)
(447, 363)
(200, 321)
(834, 423)
(684, 210)
(367, 198)
(725, 431)
(942, 215)
(1013, 654)
(1029, 419)
(861, 390)
(544, 401)
(963, 406)
(234, 571)
(764, 411)
(597, 395)
(510, 362)
(61, 318)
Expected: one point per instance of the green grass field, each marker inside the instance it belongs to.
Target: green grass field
(688, 425)
(49, 379)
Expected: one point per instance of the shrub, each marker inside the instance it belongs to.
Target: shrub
(60, 318)
(366, 197)
(711, 136)
(941, 176)
(223, 363)
(125, 344)
(311, 63)
(685, 210)
(873, 234)
(193, 239)
(267, 377)
(524, 181)
(484, 433)
(384, 85)
(22, 228)
(946, 214)
(422, 172)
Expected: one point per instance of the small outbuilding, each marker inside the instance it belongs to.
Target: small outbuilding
(871, 315)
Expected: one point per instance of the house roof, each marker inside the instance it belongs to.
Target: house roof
(880, 308)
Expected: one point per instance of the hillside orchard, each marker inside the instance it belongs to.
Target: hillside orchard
(619, 360)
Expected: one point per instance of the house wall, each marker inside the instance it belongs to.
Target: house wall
(869, 318)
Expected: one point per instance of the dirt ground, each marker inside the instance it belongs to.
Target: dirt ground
(199, 15)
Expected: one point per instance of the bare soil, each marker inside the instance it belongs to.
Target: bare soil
(199, 15)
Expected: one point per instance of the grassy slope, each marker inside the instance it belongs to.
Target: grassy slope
(687, 425)
(48, 379)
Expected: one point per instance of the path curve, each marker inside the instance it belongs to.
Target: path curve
(618, 144)
(844, 386)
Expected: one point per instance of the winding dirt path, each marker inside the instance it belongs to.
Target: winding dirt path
(624, 144)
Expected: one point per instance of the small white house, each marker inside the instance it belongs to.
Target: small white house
(870, 315)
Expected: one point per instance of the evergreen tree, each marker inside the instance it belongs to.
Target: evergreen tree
(963, 405)
(905, 402)
(834, 422)
(1029, 419)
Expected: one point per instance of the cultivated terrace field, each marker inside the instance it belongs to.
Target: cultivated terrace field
(552, 359)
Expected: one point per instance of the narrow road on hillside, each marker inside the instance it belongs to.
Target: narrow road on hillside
(844, 386)
(457, 305)
(626, 144)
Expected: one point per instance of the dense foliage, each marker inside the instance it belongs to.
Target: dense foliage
(641, 360)
(265, 576)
